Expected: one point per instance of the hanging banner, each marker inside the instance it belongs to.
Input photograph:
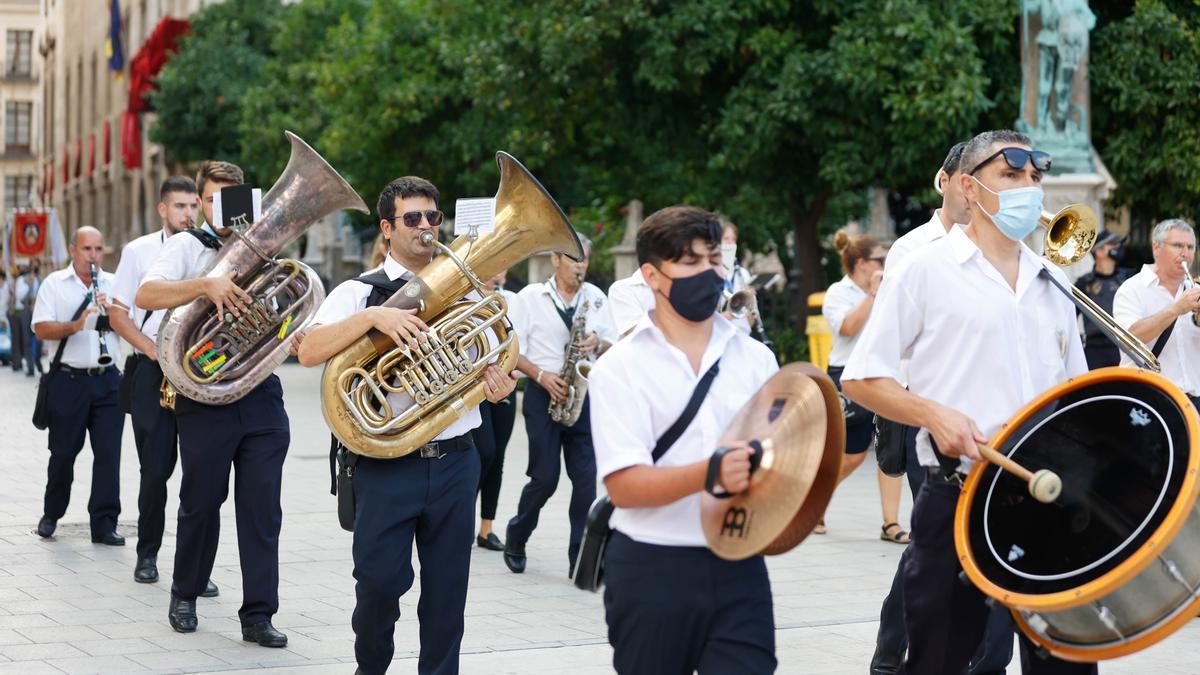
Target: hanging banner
(29, 234)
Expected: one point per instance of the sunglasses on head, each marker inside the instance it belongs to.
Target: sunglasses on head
(1017, 157)
(413, 218)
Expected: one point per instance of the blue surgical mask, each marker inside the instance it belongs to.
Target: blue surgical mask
(1020, 209)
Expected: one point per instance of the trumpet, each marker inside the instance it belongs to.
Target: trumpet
(102, 326)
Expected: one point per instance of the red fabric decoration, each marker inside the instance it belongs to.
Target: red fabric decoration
(29, 233)
(91, 155)
(131, 140)
(66, 166)
(146, 64)
(107, 142)
(78, 155)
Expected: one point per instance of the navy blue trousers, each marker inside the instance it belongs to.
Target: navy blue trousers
(547, 439)
(397, 501)
(85, 404)
(945, 617)
(250, 435)
(676, 610)
(491, 439)
(157, 442)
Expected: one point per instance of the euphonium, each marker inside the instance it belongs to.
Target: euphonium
(575, 369)
(218, 359)
(381, 400)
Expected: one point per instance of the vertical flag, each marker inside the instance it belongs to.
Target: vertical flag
(58, 243)
(112, 45)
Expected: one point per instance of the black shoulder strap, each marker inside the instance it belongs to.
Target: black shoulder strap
(382, 287)
(1161, 342)
(205, 238)
(62, 344)
(689, 413)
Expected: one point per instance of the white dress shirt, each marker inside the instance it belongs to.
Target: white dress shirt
(4, 300)
(182, 257)
(628, 301)
(541, 329)
(841, 298)
(350, 297)
(57, 299)
(916, 239)
(976, 345)
(136, 259)
(640, 387)
(1141, 296)
(25, 285)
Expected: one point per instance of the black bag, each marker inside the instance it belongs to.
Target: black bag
(854, 413)
(589, 567)
(125, 393)
(891, 450)
(41, 406)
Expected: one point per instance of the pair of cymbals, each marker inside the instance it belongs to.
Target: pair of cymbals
(797, 418)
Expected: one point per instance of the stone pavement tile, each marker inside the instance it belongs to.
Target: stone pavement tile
(9, 636)
(29, 668)
(135, 629)
(26, 621)
(60, 634)
(320, 649)
(189, 660)
(89, 665)
(107, 646)
(36, 652)
(81, 617)
(186, 642)
(122, 602)
(37, 606)
(247, 654)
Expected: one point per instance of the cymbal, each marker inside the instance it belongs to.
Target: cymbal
(798, 419)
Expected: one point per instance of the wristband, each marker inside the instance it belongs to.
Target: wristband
(538, 379)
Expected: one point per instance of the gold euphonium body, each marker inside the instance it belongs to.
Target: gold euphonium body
(381, 400)
(217, 360)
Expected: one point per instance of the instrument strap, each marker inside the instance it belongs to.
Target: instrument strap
(1161, 342)
(205, 238)
(62, 344)
(676, 430)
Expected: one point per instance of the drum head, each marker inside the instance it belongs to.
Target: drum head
(797, 418)
(1121, 440)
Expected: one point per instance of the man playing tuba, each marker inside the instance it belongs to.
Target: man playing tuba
(252, 433)
(428, 494)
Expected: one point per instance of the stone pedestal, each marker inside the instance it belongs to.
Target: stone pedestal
(625, 253)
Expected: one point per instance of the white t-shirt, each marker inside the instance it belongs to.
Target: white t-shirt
(916, 239)
(640, 386)
(841, 298)
(541, 329)
(182, 257)
(628, 301)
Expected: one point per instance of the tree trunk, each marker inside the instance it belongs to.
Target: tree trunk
(807, 274)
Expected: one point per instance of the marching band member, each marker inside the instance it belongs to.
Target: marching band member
(953, 210)
(548, 313)
(154, 429)
(1101, 286)
(251, 433)
(82, 392)
(492, 439)
(1159, 305)
(428, 494)
(737, 278)
(670, 604)
(628, 301)
(986, 334)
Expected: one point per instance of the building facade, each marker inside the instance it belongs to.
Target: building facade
(20, 100)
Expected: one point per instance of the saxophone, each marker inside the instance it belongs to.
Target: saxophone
(574, 370)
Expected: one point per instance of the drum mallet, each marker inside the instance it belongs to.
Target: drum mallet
(1044, 485)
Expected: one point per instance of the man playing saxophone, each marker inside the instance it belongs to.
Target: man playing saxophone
(552, 335)
(252, 432)
(428, 494)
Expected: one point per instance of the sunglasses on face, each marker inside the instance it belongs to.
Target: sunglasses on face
(413, 218)
(1017, 157)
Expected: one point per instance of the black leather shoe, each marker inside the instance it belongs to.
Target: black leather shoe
(46, 526)
(146, 571)
(490, 542)
(514, 556)
(211, 590)
(264, 634)
(182, 615)
(108, 539)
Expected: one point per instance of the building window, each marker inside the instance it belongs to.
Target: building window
(18, 116)
(19, 59)
(16, 192)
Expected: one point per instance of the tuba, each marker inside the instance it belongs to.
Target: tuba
(217, 360)
(575, 369)
(381, 400)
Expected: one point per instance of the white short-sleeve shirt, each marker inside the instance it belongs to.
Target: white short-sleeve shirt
(841, 298)
(1142, 295)
(182, 257)
(136, 259)
(976, 345)
(916, 239)
(628, 301)
(640, 386)
(60, 295)
(543, 332)
(350, 297)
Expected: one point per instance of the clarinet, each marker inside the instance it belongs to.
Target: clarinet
(105, 359)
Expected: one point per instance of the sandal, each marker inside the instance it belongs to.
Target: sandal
(820, 527)
(898, 537)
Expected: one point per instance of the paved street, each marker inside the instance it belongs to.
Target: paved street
(67, 605)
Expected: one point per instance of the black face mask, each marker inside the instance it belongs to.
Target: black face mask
(695, 298)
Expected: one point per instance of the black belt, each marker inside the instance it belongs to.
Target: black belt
(98, 370)
(936, 475)
(439, 449)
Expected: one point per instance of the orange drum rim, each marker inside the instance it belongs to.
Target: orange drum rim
(1127, 569)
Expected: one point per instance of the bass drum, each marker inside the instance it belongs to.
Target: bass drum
(1113, 565)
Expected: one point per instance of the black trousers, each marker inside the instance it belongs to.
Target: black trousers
(1102, 355)
(676, 610)
(547, 439)
(157, 441)
(250, 435)
(15, 336)
(945, 617)
(397, 501)
(82, 404)
(491, 439)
